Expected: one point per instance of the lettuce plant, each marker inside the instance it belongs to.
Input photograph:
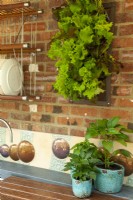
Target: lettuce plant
(80, 48)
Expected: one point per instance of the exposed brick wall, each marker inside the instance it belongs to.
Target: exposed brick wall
(55, 114)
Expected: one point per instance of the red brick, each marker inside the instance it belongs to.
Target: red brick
(127, 66)
(87, 121)
(48, 108)
(52, 25)
(51, 108)
(122, 90)
(15, 125)
(38, 89)
(56, 130)
(39, 76)
(49, 78)
(128, 5)
(61, 100)
(77, 132)
(31, 127)
(40, 26)
(9, 105)
(49, 87)
(116, 54)
(127, 55)
(114, 101)
(43, 36)
(50, 67)
(84, 111)
(25, 107)
(35, 117)
(126, 103)
(124, 17)
(119, 7)
(37, 127)
(40, 108)
(55, 3)
(4, 115)
(124, 114)
(122, 42)
(24, 117)
(43, 58)
(126, 78)
(70, 121)
(115, 79)
(48, 99)
(126, 30)
(46, 118)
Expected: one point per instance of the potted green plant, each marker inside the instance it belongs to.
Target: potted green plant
(110, 176)
(82, 163)
(80, 49)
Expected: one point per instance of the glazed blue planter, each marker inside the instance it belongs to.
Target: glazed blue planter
(109, 181)
(81, 189)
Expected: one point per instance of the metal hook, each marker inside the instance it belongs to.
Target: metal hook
(6, 123)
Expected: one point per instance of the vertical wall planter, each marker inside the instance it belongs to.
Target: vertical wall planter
(108, 180)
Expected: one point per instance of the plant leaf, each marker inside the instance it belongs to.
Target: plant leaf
(108, 145)
(113, 122)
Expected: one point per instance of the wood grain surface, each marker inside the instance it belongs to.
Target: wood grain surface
(16, 188)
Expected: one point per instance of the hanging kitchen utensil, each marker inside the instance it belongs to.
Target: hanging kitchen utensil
(4, 150)
(26, 151)
(13, 152)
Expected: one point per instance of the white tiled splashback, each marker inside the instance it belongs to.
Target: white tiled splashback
(42, 142)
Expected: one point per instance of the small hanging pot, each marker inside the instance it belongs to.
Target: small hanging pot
(26, 151)
(13, 152)
(4, 150)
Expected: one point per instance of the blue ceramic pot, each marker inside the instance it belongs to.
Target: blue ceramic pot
(81, 189)
(109, 181)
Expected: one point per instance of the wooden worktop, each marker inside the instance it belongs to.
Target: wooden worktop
(16, 188)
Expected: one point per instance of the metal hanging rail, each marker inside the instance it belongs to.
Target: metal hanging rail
(13, 46)
(25, 50)
(11, 42)
(15, 10)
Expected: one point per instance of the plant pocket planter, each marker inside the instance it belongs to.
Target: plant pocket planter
(81, 189)
(109, 180)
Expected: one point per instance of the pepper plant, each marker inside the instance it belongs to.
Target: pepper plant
(80, 48)
(109, 131)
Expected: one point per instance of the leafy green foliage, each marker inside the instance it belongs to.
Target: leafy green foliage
(109, 130)
(81, 48)
(82, 162)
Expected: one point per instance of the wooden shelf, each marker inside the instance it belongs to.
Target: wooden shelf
(20, 98)
(13, 46)
(14, 6)
(16, 10)
(10, 48)
(22, 188)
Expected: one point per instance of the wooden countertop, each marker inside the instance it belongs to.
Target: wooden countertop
(16, 188)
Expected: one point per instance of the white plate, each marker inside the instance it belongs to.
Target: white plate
(11, 77)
